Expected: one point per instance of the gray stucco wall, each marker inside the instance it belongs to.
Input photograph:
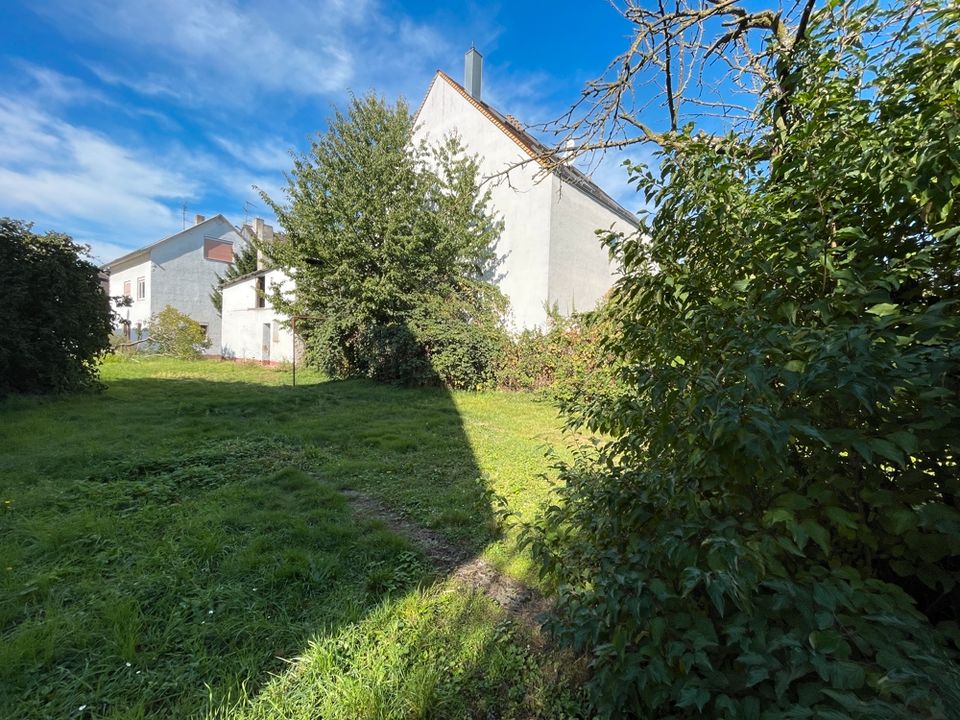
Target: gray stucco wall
(183, 277)
(580, 269)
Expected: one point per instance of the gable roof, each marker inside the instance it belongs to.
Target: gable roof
(151, 246)
(534, 148)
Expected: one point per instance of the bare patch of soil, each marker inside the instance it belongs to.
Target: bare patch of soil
(521, 602)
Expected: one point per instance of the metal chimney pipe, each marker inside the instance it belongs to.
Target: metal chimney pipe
(473, 72)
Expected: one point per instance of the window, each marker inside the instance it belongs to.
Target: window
(203, 327)
(141, 288)
(218, 250)
(126, 289)
(261, 292)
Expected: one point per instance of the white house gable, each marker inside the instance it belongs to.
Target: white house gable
(550, 252)
(523, 203)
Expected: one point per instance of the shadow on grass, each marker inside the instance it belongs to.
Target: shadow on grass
(171, 542)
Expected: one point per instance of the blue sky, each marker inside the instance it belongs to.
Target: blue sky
(113, 113)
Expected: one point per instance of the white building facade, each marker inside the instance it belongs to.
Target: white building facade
(252, 328)
(180, 271)
(548, 254)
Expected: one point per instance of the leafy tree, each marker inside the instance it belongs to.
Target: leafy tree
(171, 332)
(244, 262)
(773, 529)
(379, 229)
(55, 316)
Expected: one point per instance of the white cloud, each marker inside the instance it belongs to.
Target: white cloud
(220, 46)
(258, 154)
(72, 179)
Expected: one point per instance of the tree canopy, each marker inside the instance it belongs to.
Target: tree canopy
(380, 228)
(55, 316)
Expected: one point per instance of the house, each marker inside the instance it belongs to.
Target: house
(180, 271)
(549, 254)
(251, 328)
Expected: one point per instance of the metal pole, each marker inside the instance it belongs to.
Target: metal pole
(294, 350)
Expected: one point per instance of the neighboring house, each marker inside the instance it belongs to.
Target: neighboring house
(180, 271)
(252, 329)
(549, 252)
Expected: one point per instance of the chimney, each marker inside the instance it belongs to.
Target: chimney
(262, 230)
(264, 233)
(473, 72)
(198, 219)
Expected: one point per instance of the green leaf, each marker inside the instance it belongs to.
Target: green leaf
(693, 696)
(818, 533)
(883, 309)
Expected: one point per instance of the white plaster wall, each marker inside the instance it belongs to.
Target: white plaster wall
(130, 270)
(523, 203)
(243, 321)
(184, 279)
(580, 267)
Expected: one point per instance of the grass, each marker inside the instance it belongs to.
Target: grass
(178, 546)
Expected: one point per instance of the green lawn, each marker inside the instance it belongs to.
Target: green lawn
(178, 546)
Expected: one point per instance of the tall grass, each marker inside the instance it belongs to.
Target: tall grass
(178, 546)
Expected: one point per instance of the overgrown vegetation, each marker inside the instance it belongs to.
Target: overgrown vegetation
(173, 333)
(216, 569)
(774, 528)
(566, 362)
(55, 317)
(392, 244)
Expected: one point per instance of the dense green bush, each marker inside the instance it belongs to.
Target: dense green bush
(567, 361)
(54, 315)
(171, 332)
(463, 336)
(774, 529)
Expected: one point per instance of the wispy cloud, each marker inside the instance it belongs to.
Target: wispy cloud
(55, 172)
(219, 47)
(258, 154)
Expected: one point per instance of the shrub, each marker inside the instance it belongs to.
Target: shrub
(567, 361)
(55, 316)
(774, 529)
(173, 333)
(455, 341)
(462, 336)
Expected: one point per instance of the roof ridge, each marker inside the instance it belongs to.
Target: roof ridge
(528, 143)
(150, 246)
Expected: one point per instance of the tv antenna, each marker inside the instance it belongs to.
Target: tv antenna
(183, 214)
(247, 207)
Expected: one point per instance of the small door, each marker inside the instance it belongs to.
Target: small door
(265, 350)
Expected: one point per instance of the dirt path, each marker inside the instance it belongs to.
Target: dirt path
(522, 603)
